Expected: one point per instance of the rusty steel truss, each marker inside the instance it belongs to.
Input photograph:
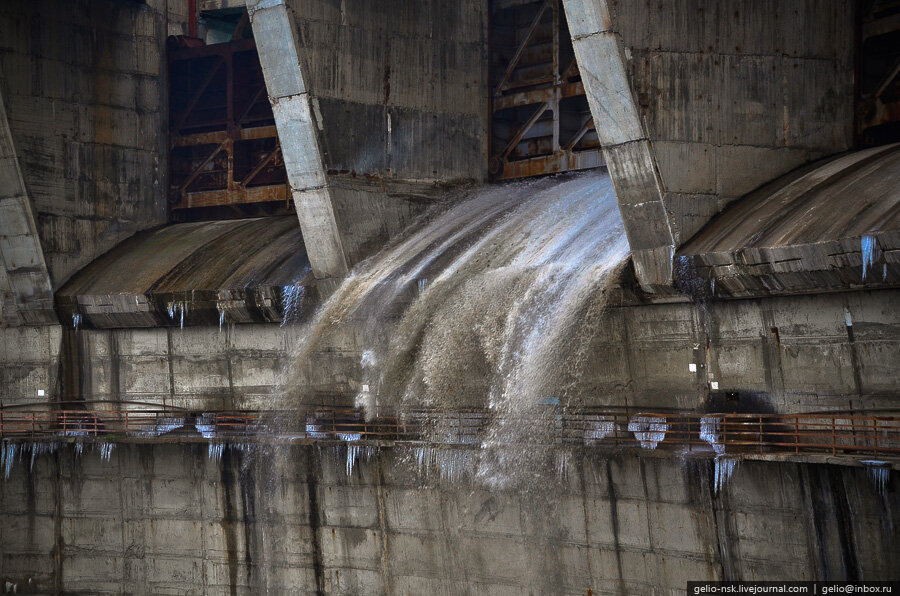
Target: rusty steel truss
(540, 119)
(878, 73)
(224, 148)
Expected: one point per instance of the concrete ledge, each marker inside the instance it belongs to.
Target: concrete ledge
(831, 227)
(236, 271)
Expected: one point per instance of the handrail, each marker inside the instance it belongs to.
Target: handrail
(815, 432)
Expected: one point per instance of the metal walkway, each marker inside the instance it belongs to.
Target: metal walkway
(858, 436)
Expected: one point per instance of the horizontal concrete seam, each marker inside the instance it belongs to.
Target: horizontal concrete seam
(594, 34)
(303, 20)
(325, 186)
(626, 143)
(647, 51)
(427, 110)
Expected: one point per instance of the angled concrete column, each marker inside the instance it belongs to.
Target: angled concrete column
(20, 246)
(626, 145)
(284, 72)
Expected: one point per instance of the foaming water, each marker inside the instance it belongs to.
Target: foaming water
(490, 303)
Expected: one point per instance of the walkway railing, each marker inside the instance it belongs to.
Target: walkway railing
(871, 436)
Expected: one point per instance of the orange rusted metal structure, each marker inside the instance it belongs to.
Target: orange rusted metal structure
(540, 120)
(861, 436)
(224, 147)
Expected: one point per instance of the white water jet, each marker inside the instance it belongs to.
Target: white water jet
(491, 303)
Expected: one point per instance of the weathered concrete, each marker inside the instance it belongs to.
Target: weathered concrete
(168, 519)
(702, 102)
(276, 35)
(626, 146)
(802, 234)
(786, 354)
(373, 112)
(83, 85)
(20, 248)
(235, 271)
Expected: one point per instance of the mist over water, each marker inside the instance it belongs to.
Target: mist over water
(490, 303)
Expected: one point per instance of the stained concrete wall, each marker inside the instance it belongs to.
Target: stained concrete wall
(700, 102)
(167, 519)
(376, 105)
(788, 354)
(83, 84)
(401, 87)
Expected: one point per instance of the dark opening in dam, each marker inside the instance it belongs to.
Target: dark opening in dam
(461, 297)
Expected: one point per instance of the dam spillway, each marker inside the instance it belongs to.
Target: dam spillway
(469, 297)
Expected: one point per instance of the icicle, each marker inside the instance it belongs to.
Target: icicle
(215, 451)
(177, 309)
(424, 456)
(291, 303)
(313, 430)
(453, 463)
(354, 452)
(724, 467)
(879, 472)
(79, 449)
(76, 321)
(422, 285)
(221, 310)
(38, 449)
(599, 427)
(648, 430)
(206, 425)
(709, 432)
(160, 427)
(8, 457)
(562, 465)
(106, 450)
(867, 246)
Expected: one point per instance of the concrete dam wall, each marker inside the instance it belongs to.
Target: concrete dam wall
(447, 296)
(173, 519)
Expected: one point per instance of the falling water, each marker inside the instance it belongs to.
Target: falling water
(879, 472)
(491, 303)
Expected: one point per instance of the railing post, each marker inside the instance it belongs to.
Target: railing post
(761, 439)
(833, 436)
(875, 435)
(724, 431)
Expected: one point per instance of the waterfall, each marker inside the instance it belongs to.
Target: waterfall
(492, 302)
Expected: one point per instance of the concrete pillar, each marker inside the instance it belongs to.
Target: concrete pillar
(20, 246)
(298, 130)
(626, 145)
